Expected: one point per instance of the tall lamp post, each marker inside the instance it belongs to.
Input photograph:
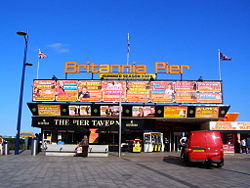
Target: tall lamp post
(120, 125)
(19, 116)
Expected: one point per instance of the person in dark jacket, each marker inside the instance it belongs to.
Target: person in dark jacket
(85, 146)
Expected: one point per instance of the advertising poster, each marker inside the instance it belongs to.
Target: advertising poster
(90, 90)
(175, 111)
(184, 86)
(143, 111)
(138, 91)
(186, 97)
(49, 110)
(209, 97)
(207, 112)
(74, 110)
(79, 110)
(109, 110)
(209, 86)
(228, 125)
(66, 90)
(94, 136)
(112, 91)
(162, 91)
(44, 90)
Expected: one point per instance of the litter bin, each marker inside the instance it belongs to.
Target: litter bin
(5, 147)
(34, 147)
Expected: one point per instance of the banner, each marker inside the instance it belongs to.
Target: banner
(113, 90)
(90, 90)
(209, 97)
(186, 97)
(66, 90)
(228, 125)
(162, 91)
(185, 86)
(49, 110)
(175, 111)
(44, 90)
(209, 86)
(94, 136)
(128, 91)
(138, 91)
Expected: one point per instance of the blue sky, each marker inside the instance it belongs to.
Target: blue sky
(179, 32)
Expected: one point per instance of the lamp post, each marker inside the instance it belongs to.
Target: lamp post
(120, 124)
(19, 116)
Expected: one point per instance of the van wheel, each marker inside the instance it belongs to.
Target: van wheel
(221, 164)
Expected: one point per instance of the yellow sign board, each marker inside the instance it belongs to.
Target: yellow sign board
(127, 76)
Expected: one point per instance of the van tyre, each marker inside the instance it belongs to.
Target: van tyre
(221, 164)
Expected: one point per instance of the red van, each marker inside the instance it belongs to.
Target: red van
(204, 147)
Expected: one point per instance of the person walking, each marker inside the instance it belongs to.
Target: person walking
(85, 146)
(248, 145)
(243, 146)
(183, 143)
(1, 145)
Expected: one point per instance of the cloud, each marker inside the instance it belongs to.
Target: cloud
(59, 47)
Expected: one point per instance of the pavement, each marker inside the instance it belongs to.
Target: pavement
(163, 169)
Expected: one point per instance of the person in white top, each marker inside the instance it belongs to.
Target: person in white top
(243, 146)
(1, 145)
(183, 142)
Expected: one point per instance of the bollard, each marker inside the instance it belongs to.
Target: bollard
(5, 147)
(34, 147)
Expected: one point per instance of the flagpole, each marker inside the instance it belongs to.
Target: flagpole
(219, 61)
(128, 50)
(38, 63)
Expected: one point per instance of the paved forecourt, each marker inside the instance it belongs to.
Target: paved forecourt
(132, 170)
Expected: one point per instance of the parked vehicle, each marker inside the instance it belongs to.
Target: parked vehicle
(204, 147)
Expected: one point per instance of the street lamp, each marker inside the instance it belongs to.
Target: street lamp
(19, 116)
(120, 125)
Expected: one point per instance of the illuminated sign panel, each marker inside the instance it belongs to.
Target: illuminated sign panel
(49, 110)
(129, 91)
(143, 111)
(207, 112)
(175, 111)
(79, 110)
(109, 110)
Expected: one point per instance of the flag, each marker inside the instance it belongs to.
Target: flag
(128, 43)
(224, 57)
(41, 55)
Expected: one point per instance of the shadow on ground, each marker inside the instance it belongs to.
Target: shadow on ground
(178, 161)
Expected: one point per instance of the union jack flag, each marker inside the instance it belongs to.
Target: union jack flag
(224, 57)
(41, 55)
